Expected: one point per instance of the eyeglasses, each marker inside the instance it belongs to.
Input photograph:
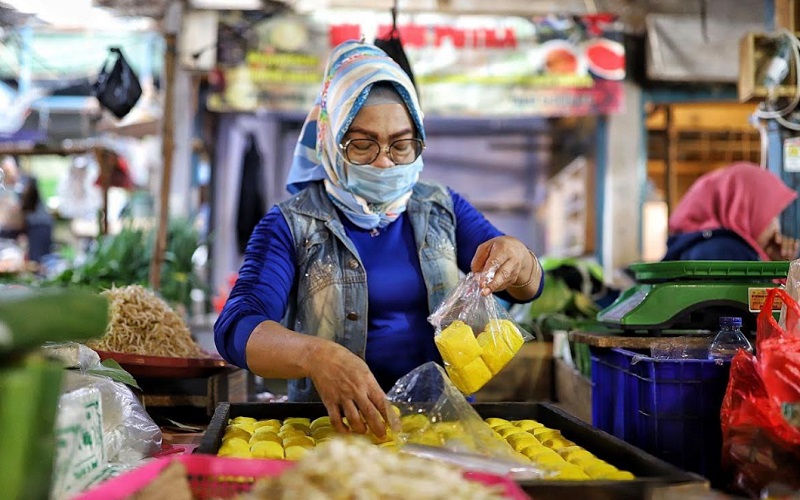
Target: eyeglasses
(366, 151)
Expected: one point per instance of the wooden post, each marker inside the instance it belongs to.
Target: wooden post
(103, 158)
(167, 147)
(671, 161)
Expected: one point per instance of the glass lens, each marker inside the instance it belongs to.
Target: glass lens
(405, 151)
(362, 151)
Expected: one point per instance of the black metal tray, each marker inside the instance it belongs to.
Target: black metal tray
(651, 473)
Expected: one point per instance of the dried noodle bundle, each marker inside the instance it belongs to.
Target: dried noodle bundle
(142, 323)
(356, 469)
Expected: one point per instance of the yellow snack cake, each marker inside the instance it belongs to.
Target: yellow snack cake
(521, 440)
(305, 441)
(495, 351)
(320, 422)
(234, 431)
(494, 421)
(298, 420)
(531, 450)
(528, 425)
(557, 442)
(295, 452)
(285, 433)
(267, 449)
(457, 344)
(411, 423)
(235, 447)
(428, 437)
(265, 435)
(448, 429)
(509, 431)
(322, 433)
(471, 376)
(544, 458)
(302, 428)
(269, 424)
(508, 331)
(543, 433)
(570, 452)
(598, 470)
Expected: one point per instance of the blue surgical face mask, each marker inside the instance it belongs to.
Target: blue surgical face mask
(382, 185)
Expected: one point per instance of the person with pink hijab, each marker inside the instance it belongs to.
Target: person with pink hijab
(732, 214)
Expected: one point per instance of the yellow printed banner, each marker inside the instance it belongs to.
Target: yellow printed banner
(463, 65)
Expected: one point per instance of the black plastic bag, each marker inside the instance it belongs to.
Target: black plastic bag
(394, 49)
(117, 88)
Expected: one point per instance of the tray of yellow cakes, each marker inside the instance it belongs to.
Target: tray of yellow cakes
(577, 458)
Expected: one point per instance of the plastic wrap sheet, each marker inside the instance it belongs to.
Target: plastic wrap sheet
(684, 347)
(431, 418)
(474, 334)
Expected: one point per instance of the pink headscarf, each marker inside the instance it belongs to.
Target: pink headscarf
(743, 198)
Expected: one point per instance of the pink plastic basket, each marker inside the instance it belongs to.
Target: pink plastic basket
(213, 477)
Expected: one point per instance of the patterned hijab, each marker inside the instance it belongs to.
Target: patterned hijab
(743, 198)
(352, 68)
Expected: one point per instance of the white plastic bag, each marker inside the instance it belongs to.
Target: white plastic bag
(130, 435)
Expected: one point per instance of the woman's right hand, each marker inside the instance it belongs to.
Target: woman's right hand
(348, 389)
(781, 247)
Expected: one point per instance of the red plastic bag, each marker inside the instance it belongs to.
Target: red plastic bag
(760, 446)
(779, 351)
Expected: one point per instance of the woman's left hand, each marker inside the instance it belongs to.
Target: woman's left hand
(515, 266)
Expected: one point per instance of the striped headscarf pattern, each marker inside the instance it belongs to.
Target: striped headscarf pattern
(352, 68)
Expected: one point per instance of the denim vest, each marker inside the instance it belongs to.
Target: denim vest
(329, 296)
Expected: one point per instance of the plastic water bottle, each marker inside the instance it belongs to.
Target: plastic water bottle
(729, 339)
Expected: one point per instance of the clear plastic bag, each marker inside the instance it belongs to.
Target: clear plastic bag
(685, 347)
(475, 335)
(431, 418)
(793, 289)
(74, 355)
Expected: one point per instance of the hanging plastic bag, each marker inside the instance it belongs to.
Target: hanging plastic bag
(431, 418)
(474, 334)
(118, 88)
(761, 442)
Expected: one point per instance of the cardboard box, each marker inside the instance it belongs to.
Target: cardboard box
(573, 391)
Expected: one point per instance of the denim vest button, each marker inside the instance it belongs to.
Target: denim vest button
(352, 316)
(352, 264)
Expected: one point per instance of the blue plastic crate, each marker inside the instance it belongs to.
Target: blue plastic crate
(669, 408)
(614, 391)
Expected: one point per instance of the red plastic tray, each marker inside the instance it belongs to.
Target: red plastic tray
(139, 365)
(219, 477)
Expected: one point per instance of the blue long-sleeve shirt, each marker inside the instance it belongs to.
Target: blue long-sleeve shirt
(719, 244)
(399, 337)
